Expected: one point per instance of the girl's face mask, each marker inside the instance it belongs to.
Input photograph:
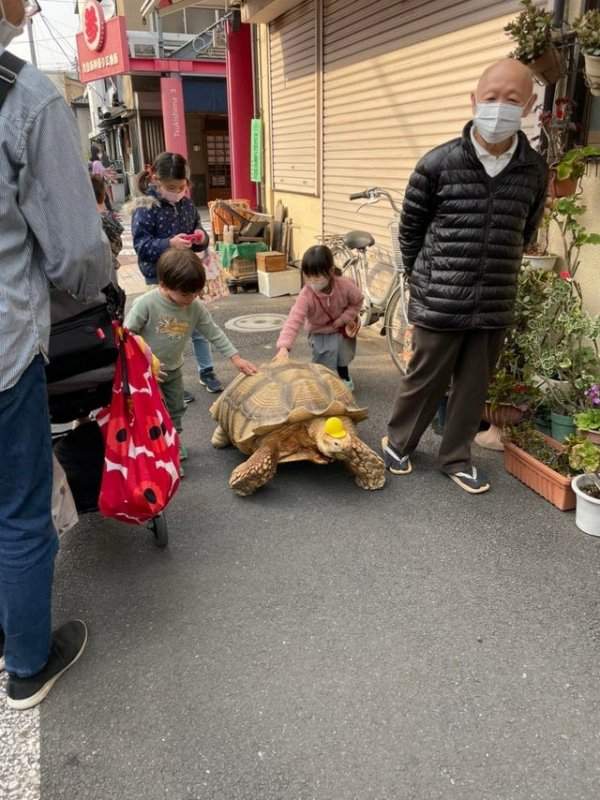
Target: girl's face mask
(171, 197)
(318, 285)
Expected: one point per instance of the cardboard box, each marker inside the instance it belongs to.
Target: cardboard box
(276, 284)
(271, 261)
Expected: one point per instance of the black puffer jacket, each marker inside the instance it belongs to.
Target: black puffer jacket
(463, 233)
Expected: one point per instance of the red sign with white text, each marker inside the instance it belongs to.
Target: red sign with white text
(102, 47)
(171, 93)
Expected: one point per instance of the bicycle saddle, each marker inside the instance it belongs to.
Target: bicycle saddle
(358, 240)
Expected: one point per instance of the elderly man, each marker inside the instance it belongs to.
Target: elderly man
(50, 231)
(471, 207)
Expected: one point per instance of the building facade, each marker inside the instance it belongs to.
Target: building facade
(354, 92)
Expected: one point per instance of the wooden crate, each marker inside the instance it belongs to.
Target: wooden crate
(242, 267)
(271, 261)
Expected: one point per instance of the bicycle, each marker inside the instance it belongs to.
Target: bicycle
(393, 304)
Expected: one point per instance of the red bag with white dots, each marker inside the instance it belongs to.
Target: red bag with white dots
(141, 458)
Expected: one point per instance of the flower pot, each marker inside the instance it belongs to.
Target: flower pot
(562, 188)
(543, 424)
(490, 439)
(562, 426)
(587, 509)
(543, 263)
(549, 67)
(548, 483)
(503, 414)
(592, 73)
(593, 436)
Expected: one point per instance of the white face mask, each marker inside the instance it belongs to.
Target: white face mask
(172, 197)
(497, 122)
(319, 286)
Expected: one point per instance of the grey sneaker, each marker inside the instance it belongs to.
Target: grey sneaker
(473, 481)
(209, 380)
(68, 643)
(188, 397)
(395, 463)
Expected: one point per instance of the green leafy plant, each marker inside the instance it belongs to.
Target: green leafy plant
(531, 30)
(572, 164)
(588, 420)
(584, 456)
(505, 388)
(558, 341)
(566, 214)
(587, 30)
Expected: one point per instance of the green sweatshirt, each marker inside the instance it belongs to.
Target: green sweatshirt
(167, 327)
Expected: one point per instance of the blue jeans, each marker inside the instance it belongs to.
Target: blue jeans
(28, 540)
(202, 352)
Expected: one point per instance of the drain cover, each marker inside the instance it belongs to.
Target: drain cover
(256, 323)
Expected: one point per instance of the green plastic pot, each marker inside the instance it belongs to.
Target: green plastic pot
(562, 426)
(543, 424)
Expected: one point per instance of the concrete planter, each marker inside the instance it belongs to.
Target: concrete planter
(587, 511)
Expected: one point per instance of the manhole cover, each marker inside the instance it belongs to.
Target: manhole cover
(256, 323)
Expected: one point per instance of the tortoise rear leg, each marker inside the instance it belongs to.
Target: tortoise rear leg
(255, 472)
(220, 438)
(367, 467)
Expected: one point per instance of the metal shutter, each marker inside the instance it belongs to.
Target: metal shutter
(293, 71)
(396, 83)
(153, 138)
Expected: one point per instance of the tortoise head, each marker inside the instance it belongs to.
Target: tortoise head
(333, 437)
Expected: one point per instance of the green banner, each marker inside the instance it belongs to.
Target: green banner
(256, 155)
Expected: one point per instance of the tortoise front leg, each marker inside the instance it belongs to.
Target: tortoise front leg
(255, 472)
(366, 466)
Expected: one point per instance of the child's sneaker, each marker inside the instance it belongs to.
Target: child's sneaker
(395, 463)
(350, 384)
(183, 452)
(209, 380)
(181, 471)
(188, 397)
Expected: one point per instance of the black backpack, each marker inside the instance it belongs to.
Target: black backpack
(81, 335)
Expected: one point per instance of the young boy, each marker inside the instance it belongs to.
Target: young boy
(111, 225)
(167, 317)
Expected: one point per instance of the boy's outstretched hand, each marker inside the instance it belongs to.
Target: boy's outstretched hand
(247, 367)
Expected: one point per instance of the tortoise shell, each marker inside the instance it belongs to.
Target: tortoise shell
(278, 395)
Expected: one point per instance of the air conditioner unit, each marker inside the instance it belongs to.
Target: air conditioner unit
(143, 50)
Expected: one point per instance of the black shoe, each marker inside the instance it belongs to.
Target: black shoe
(68, 643)
(1, 650)
(473, 480)
(188, 398)
(209, 380)
(396, 464)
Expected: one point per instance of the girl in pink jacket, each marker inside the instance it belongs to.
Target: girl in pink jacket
(329, 307)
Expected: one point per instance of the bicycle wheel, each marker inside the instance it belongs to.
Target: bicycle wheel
(398, 330)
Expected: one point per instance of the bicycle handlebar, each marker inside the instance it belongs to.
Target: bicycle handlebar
(375, 194)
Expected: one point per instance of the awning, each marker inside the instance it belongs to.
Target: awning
(263, 11)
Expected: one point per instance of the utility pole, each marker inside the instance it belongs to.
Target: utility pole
(31, 42)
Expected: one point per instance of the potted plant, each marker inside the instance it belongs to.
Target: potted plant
(566, 174)
(561, 343)
(536, 256)
(588, 421)
(541, 464)
(585, 457)
(587, 30)
(531, 30)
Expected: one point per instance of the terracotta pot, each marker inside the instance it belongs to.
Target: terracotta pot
(548, 483)
(549, 67)
(503, 414)
(592, 73)
(562, 188)
(593, 436)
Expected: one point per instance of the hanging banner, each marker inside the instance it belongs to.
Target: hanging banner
(171, 93)
(256, 154)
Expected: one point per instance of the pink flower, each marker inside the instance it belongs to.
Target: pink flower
(565, 275)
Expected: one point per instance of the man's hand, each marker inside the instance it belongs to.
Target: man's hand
(180, 242)
(247, 367)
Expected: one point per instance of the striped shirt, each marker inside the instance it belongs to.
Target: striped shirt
(50, 230)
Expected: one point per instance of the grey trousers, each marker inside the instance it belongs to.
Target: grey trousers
(332, 349)
(465, 359)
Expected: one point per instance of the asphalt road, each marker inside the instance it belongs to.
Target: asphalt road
(319, 642)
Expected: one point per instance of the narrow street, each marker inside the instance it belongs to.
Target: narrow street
(317, 641)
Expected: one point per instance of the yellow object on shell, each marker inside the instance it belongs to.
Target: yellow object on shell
(334, 427)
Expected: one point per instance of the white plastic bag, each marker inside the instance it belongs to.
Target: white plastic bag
(64, 513)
